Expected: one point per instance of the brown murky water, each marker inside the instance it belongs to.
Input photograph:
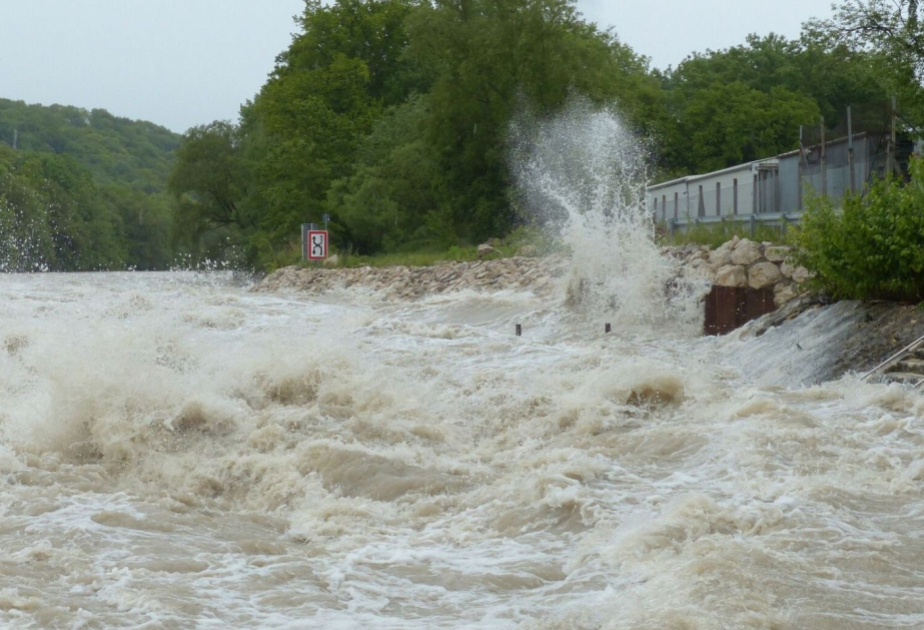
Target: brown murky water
(176, 452)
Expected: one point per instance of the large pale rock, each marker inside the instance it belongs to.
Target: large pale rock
(763, 274)
(720, 257)
(700, 269)
(732, 276)
(746, 252)
(776, 253)
(783, 292)
(786, 269)
(800, 274)
(485, 249)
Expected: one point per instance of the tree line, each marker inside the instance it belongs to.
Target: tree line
(83, 190)
(392, 116)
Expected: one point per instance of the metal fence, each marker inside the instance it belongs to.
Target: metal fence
(831, 161)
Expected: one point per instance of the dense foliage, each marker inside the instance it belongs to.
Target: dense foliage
(84, 190)
(873, 247)
(393, 117)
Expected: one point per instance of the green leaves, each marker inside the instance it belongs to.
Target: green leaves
(874, 246)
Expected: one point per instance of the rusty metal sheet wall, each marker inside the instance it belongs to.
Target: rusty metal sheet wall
(728, 308)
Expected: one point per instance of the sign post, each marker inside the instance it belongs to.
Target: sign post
(317, 244)
(314, 242)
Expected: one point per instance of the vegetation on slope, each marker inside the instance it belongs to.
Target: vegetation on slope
(83, 190)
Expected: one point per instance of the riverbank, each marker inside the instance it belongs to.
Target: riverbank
(868, 332)
(537, 274)
(737, 263)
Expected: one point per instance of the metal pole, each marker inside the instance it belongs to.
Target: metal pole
(824, 170)
(800, 169)
(853, 177)
(892, 140)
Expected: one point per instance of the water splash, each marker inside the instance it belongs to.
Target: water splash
(582, 175)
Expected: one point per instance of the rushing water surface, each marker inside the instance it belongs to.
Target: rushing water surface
(177, 452)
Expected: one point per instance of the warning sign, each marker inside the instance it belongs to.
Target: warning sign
(317, 244)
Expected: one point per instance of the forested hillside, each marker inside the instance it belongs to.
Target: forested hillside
(83, 190)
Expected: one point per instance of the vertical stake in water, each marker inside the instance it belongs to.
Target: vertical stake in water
(519, 330)
(608, 328)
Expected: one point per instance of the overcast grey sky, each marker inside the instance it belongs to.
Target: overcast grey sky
(180, 63)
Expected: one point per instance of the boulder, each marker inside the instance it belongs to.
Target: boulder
(784, 292)
(763, 274)
(776, 253)
(746, 252)
(731, 276)
(786, 269)
(485, 249)
(721, 256)
(800, 275)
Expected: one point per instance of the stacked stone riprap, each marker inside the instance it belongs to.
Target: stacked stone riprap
(744, 263)
(737, 263)
(517, 273)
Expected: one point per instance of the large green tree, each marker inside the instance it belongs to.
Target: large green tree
(747, 102)
(892, 32)
(491, 58)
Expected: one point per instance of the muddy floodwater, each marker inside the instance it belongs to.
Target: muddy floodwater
(179, 452)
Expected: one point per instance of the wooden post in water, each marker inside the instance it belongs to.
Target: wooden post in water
(608, 328)
(519, 330)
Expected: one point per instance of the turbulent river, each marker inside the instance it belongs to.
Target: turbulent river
(178, 452)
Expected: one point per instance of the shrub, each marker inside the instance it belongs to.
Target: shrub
(872, 248)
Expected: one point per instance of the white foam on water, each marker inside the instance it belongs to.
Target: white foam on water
(583, 175)
(178, 452)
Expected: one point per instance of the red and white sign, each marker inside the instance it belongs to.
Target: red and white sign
(317, 244)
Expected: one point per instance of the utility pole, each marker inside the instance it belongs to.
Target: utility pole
(15, 138)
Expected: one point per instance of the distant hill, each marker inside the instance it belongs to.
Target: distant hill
(83, 190)
(134, 153)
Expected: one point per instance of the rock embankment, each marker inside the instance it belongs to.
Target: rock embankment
(737, 263)
(746, 264)
(516, 273)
